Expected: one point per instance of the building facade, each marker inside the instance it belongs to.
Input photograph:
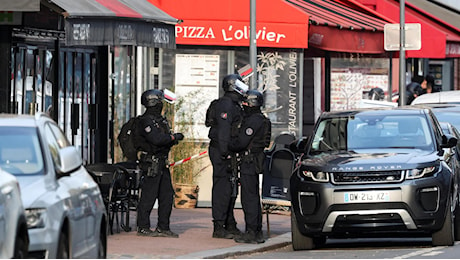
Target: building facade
(83, 64)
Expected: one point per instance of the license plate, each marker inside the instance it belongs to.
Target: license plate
(368, 196)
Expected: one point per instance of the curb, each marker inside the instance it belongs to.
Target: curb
(243, 249)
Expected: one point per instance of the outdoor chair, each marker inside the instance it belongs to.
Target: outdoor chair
(275, 183)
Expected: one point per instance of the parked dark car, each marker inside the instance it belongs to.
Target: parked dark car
(446, 113)
(453, 153)
(374, 173)
(445, 105)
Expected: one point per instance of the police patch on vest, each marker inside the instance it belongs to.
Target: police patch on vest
(249, 131)
(148, 129)
(223, 115)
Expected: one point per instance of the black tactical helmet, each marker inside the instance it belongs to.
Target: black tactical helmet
(234, 82)
(376, 94)
(414, 88)
(152, 97)
(254, 98)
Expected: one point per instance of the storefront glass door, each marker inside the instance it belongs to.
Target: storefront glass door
(121, 92)
(77, 93)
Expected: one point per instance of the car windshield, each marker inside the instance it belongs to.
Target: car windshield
(372, 132)
(20, 152)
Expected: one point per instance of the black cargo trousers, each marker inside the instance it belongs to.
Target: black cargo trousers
(222, 202)
(158, 186)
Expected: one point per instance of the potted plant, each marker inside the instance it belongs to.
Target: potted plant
(184, 174)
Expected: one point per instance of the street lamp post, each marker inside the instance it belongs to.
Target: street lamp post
(402, 55)
(253, 45)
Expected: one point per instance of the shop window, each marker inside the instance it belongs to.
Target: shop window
(32, 80)
(353, 77)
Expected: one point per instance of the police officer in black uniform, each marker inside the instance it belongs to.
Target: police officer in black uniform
(225, 120)
(156, 184)
(414, 89)
(254, 136)
(376, 94)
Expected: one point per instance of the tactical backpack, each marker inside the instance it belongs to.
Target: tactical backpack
(211, 114)
(127, 139)
(267, 131)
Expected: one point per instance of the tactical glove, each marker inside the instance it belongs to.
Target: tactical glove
(178, 136)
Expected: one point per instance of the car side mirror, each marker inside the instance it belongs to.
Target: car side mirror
(448, 141)
(299, 145)
(69, 161)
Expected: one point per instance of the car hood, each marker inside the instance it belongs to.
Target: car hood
(32, 189)
(368, 160)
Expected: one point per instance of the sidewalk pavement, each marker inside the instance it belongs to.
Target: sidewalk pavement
(194, 227)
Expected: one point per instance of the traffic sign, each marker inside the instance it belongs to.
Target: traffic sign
(413, 36)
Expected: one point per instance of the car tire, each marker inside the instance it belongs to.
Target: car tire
(20, 248)
(63, 247)
(299, 241)
(457, 222)
(445, 236)
(102, 248)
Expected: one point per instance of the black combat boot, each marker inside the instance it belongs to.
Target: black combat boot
(220, 231)
(248, 237)
(233, 229)
(146, 232)
(165, 233)
(260, 237)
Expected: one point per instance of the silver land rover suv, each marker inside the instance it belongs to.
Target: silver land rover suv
(377, 172)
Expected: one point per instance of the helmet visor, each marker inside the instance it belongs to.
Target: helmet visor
(240, 87)
(169, 96)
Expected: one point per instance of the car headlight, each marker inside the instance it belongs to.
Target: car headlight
(422, 172)
(315, 176)
(35, 218)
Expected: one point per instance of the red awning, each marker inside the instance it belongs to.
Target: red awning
(443, 19)
(210, 22)
(337, 27)
(437, 38)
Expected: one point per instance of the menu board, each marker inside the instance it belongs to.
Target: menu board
(197, 82)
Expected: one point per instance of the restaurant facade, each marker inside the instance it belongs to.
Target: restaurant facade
(87, 66)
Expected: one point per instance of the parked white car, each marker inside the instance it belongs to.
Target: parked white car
(66, 216)
(447, 97)
(14, 238)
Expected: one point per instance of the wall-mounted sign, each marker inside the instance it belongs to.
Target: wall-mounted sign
(117, 32)
(236, 33)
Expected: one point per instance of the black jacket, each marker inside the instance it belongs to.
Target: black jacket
(156, 133)
(254, 133)
(229, 117)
